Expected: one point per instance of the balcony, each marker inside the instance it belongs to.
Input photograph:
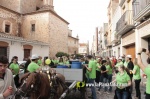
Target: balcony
(121, 2)
(141, 9)
(125, 23)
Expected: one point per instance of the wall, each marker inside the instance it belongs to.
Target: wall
(72, 45)
(142, 32)
(129, 38)
(28, 6)
(11, 4)
(12, 18)
(58, 31)
(41, 21)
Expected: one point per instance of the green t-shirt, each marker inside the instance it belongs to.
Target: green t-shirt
(122, 79)
(125, 64)
(92, 74)
(137, 75)
(118, 64)
(98, 69)
(67, 62)
(33, 67)
(109, 69)
(39, 62)
(147, 72)
(15, 68)
(61, 63)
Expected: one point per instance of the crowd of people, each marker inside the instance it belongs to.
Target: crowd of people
(124, 69)
(98, 70)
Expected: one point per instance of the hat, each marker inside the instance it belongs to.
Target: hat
(120, 58)
(129, 56)
(34, 57)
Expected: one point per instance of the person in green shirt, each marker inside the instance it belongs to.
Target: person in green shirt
(119, 63)
(145, 69)
(92, 74)
(61, 61)
(109, 72)
(15, 70)
(98, 67)
(40, 61)
(137, 78)
(33, 66)
(123, 83)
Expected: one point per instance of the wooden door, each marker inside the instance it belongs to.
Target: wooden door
(26, 53)
(130, 50)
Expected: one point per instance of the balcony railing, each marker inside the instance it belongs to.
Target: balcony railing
(141, 9)
(121, 2)
(125, 23)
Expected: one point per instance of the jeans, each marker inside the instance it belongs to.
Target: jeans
(137, 88)
(93, 89)
(122, 95)
(110, 80)
(104, 81)
(98, 73)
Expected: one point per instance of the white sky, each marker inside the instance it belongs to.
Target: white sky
(83, 15)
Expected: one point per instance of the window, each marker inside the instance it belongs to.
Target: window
(7, 28)
(37, 8)
(33, 27)
(3, 51)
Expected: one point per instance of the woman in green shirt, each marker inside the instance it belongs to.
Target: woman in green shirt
(61, 61)
(145, 69)
(109, 72)
(137, 78)
(15, 70)
(123, 83)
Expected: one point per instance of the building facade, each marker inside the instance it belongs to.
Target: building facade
(73, 44)
(141, 17)
(83, 48)
(34, 20)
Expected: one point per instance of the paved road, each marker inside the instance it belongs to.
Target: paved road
(76, 94)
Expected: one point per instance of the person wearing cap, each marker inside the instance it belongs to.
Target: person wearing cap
(7, 86)
(145, 69)
(119, 63)
(33, 66)
(130, 67)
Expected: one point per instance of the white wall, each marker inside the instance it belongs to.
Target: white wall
(115, 18)
(16, 49)
(40, 50)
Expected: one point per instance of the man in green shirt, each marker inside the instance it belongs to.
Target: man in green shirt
(92, 74)
(33, 66)
(40, 61)
(145, 69)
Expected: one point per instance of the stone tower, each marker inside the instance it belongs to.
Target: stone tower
(47, 4)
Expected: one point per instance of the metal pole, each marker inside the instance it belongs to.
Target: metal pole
(66, 91)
